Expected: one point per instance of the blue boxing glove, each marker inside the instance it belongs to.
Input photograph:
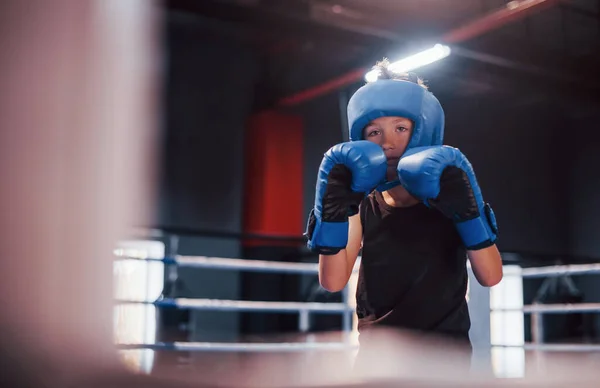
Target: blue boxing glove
(348, 172)
(444, 179)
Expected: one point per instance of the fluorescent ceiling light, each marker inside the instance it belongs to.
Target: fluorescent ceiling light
(423, 58)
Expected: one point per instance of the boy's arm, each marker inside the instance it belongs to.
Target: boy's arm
(487, 265)
(335, 270)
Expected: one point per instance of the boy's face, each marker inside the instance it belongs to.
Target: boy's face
(393, 135)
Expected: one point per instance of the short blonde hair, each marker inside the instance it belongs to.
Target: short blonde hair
(383, 69)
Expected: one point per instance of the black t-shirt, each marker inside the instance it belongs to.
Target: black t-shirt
(413, 273)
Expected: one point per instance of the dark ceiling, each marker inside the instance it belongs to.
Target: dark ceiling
(548, 52)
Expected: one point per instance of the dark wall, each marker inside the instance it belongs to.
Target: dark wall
(584, 184)
(584, 203)
(513, 152)
(208, 95)
(322, 130)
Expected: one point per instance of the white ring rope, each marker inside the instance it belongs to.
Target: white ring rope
(248, 265)
(237, 264)
(243, 305)
(300, 307)
(313, 268)
(560, 270)
(562, 308)
(556, 308)
(243, 347)
(554, 347)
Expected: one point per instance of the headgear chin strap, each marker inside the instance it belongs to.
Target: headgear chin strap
(387, 185)
(407, 99)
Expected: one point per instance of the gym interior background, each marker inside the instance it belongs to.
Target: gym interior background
(254, 94)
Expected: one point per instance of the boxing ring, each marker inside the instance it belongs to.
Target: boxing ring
(302, 309)
(146, 259)
(154, 263)
(537, 311)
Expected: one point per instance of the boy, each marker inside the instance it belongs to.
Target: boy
(417, 228)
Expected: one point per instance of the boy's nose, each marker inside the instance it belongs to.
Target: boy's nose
(386, 144)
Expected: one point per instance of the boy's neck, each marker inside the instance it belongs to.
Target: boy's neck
(399, 197)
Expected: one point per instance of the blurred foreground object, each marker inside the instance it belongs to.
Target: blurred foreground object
(78, 116)
(393, 359)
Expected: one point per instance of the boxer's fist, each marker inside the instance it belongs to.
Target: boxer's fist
(348, 172)
(444, 179)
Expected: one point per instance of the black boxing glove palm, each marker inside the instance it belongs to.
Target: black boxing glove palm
(456, 199)
(347, 173)
(444, 179)
(339, 201)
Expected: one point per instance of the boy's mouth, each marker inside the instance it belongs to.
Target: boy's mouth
(393, 161)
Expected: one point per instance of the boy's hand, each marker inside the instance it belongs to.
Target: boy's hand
(444, 179)
(348, 172)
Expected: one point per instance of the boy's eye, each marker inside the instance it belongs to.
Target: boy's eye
(373, 132)
(402, 129)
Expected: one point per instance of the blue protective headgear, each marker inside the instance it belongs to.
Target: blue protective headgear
(387, 97)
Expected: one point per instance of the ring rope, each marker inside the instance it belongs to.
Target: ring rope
(248, 265)
(554, 347)
(239, 264)
(321, 346)
(243, 305)
(228, 263)
(560, 270)
(312, 268)
(556, 308)
(242, 347)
